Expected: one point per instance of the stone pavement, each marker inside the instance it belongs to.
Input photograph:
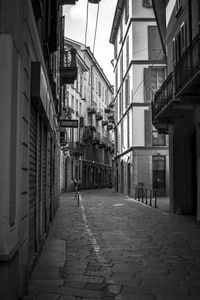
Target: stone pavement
(113, 247)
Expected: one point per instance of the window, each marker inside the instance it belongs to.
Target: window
(147, 3)
(115, 49)
(127, 52)
(128, 131)
(154, 44)
(72, 167)
(72, 104)
(120, 104)
(159, 171)
(122, 136)
(148, 128)
(179, 43)
(96, 86)
(120, 32)
(153, 79)
(121, 68)
(80, 108)
(126, 15)
(157, 78)
(76, 105)
(67, 99)
(99, 88)
(158, 139)
(178, 5)
(81, 85)
(127, 92)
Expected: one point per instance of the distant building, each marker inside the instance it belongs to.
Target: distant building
(87, 151)
(175, 106)
(141, 156)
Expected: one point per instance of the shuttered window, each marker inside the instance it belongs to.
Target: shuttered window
(127, 92)
(127, 52)
(147, 3)
(154, 44)
(148, 127)
(147, 79)
(126, 11)
(153, 79)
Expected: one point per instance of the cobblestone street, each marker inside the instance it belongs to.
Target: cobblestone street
(113, 247)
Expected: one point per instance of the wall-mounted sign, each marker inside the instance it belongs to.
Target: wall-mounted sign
(69, 123)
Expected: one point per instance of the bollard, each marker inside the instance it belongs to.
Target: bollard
(155, 200)
(138, 194)
(146, 196)
(150, 200)
(142, 191)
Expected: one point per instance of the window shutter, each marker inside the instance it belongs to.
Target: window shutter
(148, 127)
(147, 80)
(154, 44)
(147, 3)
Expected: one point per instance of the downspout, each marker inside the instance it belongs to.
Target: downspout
(190, 20)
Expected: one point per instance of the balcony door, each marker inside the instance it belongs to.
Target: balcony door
(159, 174)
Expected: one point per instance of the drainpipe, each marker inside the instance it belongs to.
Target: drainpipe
(190, 19)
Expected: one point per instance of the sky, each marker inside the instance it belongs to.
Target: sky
(75, 28)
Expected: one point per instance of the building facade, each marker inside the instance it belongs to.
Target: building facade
(87, 150)
(175, 106)
(141, 157)
(30, 145)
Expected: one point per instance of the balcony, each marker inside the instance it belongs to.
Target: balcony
(76, 148)
(102, 142)
(108, 145)
(108, 110)
(112, 148)
(110, 126)
(91, 110)
(164, 105)
(99, 116)
(68, 111)
(111, 118)
(96, 138)
(111, 105)
(104, 123)
(187, 71)
(87, 133)
(68, 67)
(93, 128)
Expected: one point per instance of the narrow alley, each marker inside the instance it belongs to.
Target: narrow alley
(113, 247)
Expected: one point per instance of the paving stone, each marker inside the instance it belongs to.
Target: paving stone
(139, 253)
(41, 286)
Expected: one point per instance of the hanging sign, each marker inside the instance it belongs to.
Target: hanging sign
(69, 123)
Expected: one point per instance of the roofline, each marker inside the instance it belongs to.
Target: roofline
(117, 16)
(93, 59)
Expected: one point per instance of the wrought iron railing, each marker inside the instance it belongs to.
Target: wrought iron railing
(188, 64)
(76, 147)
(164, 95)
(68, 66)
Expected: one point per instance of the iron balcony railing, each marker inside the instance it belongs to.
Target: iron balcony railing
(99, 116)
(68, 66)
(102, 142)
(110, 126)
(91, 109)
(163, 96)
(76, 148)
(188, 64)
(87, 133)
(96, 138)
